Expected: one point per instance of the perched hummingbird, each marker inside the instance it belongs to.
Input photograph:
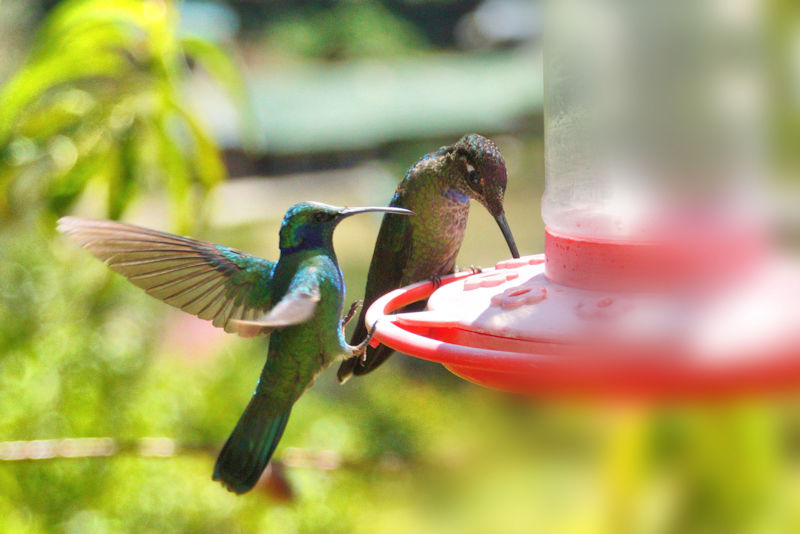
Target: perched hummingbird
(300, 297)
(437, 189)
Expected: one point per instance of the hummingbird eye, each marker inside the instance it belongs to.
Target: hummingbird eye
(321, 217)
(473, 177)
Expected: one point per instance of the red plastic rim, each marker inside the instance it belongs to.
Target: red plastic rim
(540, 368)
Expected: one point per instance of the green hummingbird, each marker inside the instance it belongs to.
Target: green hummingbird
(437, 188)
(299, 299)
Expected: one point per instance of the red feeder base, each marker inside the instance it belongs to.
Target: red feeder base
(512, 328)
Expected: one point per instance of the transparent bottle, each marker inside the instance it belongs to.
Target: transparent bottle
(653, 116)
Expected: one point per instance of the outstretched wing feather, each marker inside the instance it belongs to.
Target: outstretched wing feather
(210, 281)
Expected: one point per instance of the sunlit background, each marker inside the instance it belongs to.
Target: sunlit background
(211, 118)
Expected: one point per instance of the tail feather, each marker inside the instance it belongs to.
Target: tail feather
(250, 446)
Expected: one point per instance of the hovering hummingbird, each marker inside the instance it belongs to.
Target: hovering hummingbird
(437, 189)
(300, 297)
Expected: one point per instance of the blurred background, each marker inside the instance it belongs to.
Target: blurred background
(211, 118)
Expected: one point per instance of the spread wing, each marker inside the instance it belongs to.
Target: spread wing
(210, 281)
(297, 306)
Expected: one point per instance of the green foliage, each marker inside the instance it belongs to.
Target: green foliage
(346, 30)
(783, 63)
(99, 103)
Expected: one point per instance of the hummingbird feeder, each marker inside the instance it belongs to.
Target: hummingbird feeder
(658, 278)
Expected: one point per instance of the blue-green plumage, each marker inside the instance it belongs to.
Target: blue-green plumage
(299, 299)
(438, 189)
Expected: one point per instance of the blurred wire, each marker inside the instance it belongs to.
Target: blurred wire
(160, 447)
(46, 449)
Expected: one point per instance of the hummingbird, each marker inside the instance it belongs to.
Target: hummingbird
(437, 188)
(298, 300)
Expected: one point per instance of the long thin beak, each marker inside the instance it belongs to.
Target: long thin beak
(503, 224)
(347, 212)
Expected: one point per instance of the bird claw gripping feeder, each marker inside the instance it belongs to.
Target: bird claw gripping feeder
(658, 277)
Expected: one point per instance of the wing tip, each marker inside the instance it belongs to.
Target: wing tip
(68, 224)
(248, 329)
(71, 226)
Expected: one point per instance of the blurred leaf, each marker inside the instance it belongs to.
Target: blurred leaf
(103, 78)
(223, 69)
(218, 63)
(49, 74)
(208, 164)
(177, 173)
(122, 182)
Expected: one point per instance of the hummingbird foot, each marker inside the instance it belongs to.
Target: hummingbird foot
(354, 307)
(474, 269)
(360, 350)
(436, 280)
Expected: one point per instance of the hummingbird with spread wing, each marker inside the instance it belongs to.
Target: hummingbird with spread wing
(298, 300)
(437, 189)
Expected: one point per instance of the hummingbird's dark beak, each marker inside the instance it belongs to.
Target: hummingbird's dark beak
(503, 224)
(347, 212)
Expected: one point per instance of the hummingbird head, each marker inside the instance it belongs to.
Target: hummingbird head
(310, 225)
(480, 172)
